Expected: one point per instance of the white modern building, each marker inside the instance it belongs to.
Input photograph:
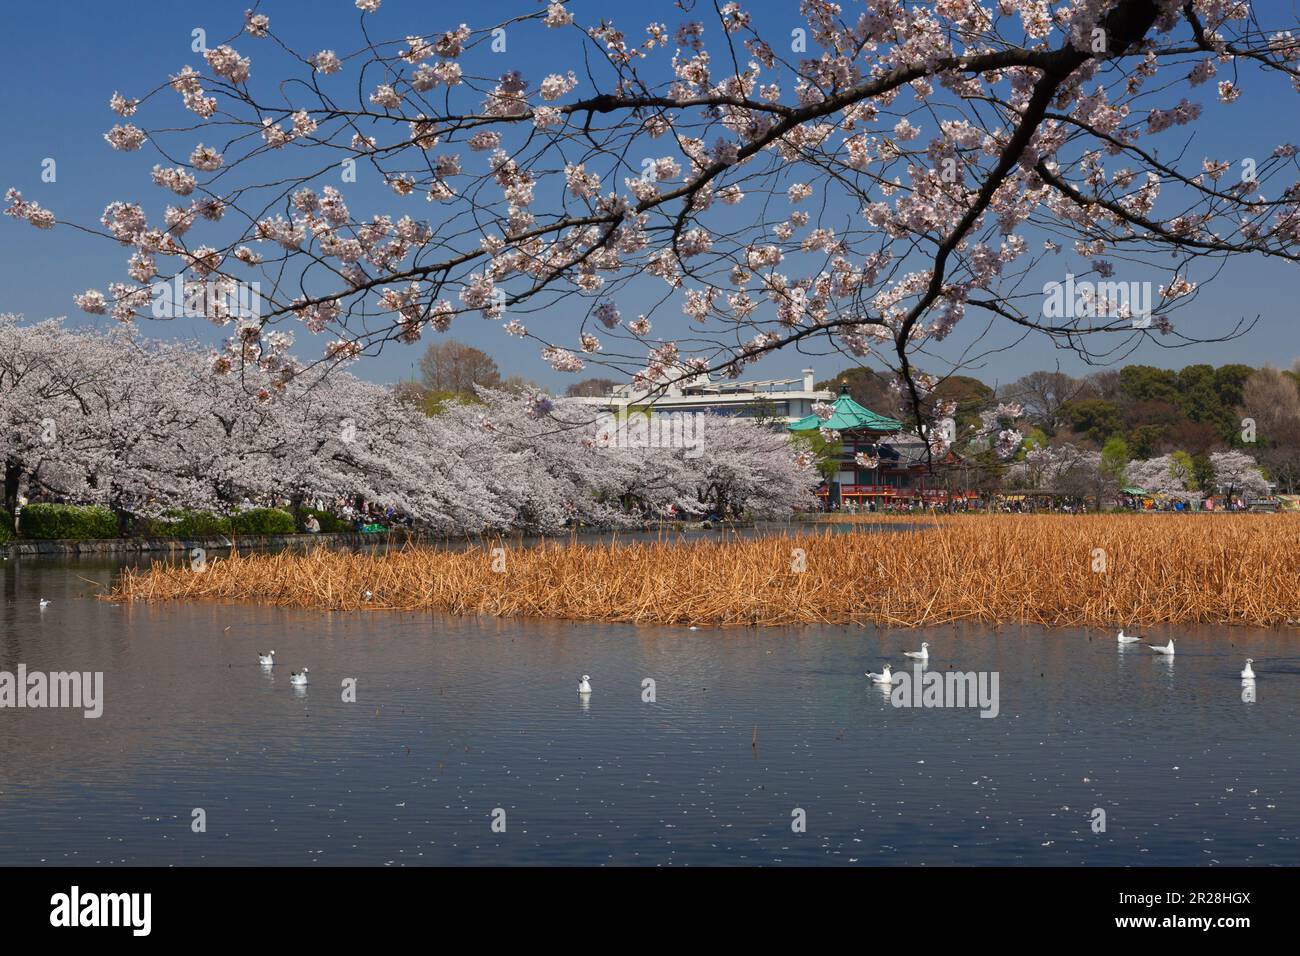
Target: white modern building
(781, 401)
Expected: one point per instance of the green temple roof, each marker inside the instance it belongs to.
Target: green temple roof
(848, 416)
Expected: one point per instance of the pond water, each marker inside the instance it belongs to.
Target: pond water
(463, 723)
(682, 533)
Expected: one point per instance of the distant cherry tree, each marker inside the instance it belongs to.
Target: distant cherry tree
(1237, 474)
(145, 428)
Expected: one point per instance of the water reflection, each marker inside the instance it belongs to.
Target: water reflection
(457, 717)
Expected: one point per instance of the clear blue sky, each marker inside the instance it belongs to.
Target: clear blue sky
(63, 61)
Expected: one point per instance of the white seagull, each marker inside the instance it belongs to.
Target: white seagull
(1126, 638)
(885, 678)
(1248, 673)
(44, 604)
(266, 660)
(584, 686)
(922, 655)
(1167, 649)
(299, 679)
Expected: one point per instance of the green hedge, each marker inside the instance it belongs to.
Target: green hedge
(183, 524)
(205, 524)
(199, 524)
(263, 521)
(45, 521)
(52, 522)
(330, 523)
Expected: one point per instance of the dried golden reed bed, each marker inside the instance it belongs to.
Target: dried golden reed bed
(1177, 569)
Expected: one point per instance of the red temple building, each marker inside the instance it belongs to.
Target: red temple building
(903, 470)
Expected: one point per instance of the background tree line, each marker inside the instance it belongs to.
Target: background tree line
(1109, 418)
(1133, 413)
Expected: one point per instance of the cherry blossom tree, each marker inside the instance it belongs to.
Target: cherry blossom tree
(1237, 474)
(858, 179)
(554, 466)
(69, 412)
(1165, 475)
(103, 418)
(146, 428)
(1063, 467)
(745, 466)
(538, 465)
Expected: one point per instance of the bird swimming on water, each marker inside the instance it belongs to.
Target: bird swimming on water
(1248, 672)
(267, 659)
(300, 679)
(922, 655)
(885, 678)
(1123, 638)
(1168, 649)
(584, 686)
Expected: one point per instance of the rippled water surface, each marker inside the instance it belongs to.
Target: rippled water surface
(456, 719)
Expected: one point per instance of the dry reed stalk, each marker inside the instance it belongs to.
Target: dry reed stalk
(1034, 569)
